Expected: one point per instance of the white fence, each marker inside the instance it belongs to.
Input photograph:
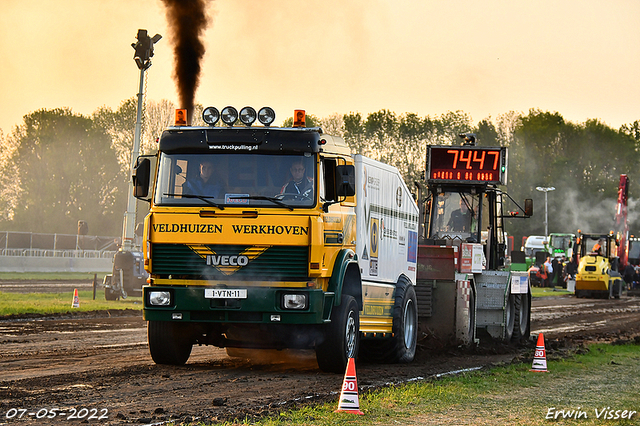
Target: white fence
(35, 252)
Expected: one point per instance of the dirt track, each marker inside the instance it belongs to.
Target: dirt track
(100, 361)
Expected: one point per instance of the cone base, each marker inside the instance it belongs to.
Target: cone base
(358, 412)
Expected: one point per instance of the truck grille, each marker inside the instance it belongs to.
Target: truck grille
(275, 263)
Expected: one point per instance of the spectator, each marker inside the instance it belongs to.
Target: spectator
(629, 272)
(205, 184)
(548, 267)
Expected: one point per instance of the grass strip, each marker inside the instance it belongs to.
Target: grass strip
(548, 291)
(47, 276)
(56, 303)
(600, 386)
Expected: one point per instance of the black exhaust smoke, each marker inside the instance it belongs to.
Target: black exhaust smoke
(187, 21)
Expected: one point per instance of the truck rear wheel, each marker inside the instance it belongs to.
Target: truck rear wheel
(169, 342)
(341, 337)
(401, 347)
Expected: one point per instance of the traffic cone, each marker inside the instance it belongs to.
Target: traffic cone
(349, 395)
(540, 357)
(76, 300)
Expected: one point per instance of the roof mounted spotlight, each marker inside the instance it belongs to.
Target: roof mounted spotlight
(266, 116)
(210, 115)
(229, 115)
(248, 116)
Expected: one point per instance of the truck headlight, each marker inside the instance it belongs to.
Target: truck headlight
(294, 301)
(160, 298)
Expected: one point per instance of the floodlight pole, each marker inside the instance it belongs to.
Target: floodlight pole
(142, 56)
(546, 215)
(128, 232)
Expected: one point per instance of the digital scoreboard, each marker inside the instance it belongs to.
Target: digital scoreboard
(467, 164)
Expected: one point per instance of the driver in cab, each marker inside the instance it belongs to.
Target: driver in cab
(299, 185)
(460, 219)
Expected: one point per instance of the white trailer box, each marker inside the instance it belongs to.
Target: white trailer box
(386, 222)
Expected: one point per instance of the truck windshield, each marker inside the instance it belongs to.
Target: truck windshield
(561, 242)
(228, 180)
(455, 216)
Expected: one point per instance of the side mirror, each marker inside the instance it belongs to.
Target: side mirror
(345, 181)
(528, 207)
(141, 175)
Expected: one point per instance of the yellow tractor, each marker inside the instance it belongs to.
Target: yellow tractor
(598, 274)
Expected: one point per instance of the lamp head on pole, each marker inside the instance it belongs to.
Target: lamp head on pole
(545, 188)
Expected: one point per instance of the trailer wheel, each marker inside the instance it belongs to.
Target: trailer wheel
(472, 317)
(521, 327)
(169, 342)
(510, 317)
(341, 337)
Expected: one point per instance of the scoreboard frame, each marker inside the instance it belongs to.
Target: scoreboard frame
(466, 164)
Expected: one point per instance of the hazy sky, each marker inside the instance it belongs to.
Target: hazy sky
(580, 58)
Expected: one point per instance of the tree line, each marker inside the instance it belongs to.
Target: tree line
(59, 167)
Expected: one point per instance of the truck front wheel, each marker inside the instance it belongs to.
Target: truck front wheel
(341, 337)
(169, 342)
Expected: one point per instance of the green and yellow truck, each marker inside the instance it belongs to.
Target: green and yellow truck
(263, 260)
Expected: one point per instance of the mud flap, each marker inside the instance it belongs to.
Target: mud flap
(449, 316)
(496, 291)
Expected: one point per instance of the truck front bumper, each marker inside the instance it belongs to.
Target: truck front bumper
(261, 305)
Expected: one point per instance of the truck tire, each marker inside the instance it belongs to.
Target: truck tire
(341, 337)
(108, 293)
(401, 347)
(521, 328)
(617, 289)
(111, 295)
(510, 317)
(169, 342)
(611, 290)
(471, 326)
